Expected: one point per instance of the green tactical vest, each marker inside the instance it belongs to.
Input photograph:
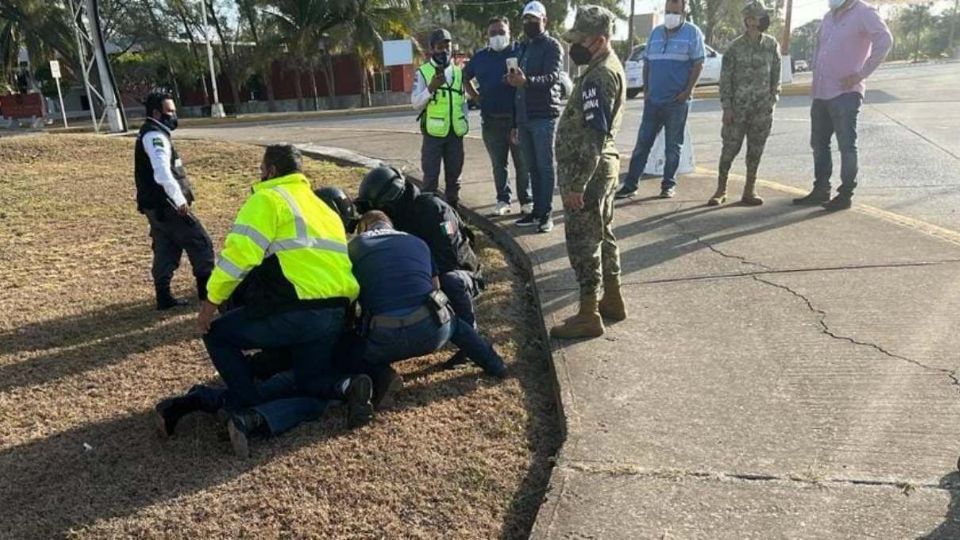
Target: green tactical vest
(445, 107)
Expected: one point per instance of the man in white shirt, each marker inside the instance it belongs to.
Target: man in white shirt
(438, 93)
(164, 196)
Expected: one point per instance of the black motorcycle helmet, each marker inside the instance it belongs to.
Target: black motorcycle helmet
(340, 203)
(380, 189)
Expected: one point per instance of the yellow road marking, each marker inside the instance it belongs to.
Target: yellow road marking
(886, 215)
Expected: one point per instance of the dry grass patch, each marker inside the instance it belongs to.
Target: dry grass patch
(84, 357)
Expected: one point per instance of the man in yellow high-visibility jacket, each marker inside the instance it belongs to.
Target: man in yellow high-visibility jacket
(289, 250)
(438, 96)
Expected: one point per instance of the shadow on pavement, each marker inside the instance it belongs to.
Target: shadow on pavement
(950, 528)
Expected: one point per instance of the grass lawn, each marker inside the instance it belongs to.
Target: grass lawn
(84, 357)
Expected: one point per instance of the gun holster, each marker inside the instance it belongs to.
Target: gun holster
(439, 306)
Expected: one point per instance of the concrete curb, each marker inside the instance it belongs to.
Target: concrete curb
(262, 117)
(519, 255)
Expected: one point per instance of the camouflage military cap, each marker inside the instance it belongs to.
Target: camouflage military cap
(590, 21)
(755, 9)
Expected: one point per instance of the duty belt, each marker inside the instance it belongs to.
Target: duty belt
(392, 321)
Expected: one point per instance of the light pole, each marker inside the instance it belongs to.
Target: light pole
(633, 12)
(216, 108)
(953, 28)
(786, 72)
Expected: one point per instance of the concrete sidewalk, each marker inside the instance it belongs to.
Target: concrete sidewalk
(785, 372)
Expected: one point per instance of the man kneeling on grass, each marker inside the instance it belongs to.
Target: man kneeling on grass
(290, 251)
(405, 314)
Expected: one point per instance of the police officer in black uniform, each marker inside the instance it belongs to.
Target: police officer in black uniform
(164, 196)
(429, 217)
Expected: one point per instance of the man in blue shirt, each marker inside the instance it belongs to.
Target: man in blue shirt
(489, 67)
(672, 64)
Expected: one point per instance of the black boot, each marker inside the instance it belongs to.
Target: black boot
(171, 410)
(166, 300)
(842, 201)
(359, 394)
(386, 382)
(243, 426)
(814, 198)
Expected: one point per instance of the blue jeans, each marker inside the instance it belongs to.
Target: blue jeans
(670, 117)
(281, 412)
(536, 140)
(461, 288)
(383, 346)
(309, 334)
(829, 116)
(496, 137)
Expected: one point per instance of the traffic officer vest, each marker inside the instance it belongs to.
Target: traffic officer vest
(445, 109)
(288, 248)
(150, 194)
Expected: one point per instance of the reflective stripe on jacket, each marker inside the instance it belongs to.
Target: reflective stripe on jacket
(284, 224)
(445, 107)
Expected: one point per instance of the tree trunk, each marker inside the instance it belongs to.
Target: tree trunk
(193, 49)
(267, 75)
(316, 94)
(330, 77)
(298, 73)
(364, 83)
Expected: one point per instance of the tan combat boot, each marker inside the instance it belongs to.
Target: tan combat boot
(720, 196)
(611, 305)
(585, 324)
(750, 197)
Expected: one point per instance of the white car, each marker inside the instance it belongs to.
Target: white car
(634, 68)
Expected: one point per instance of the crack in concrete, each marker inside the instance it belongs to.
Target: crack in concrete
(822, 315)
(825, 329)
(629, 469)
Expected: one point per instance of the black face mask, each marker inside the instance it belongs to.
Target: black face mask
(580, 54)
(169, 120)
(763, 23)
(441, 59)
(532, 29)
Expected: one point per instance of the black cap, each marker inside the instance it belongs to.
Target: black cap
(440, 35)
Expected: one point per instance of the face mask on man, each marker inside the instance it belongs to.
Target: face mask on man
(673, 20)
(499, 43)
(835, 4)
(169, 120)
(532, 29)
(581, 54)
(441, 59)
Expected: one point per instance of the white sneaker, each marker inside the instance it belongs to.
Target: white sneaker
(501, 209)
(526, 208)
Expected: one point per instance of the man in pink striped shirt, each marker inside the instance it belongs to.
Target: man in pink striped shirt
(852, 42)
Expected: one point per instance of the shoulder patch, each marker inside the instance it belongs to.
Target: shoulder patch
(596, 110)
(158, 142)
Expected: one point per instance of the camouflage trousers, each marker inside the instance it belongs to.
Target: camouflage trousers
(755, 126)
(591, 245)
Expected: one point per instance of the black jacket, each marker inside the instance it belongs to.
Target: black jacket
(150, 194)
(430, 218)
(540, 59)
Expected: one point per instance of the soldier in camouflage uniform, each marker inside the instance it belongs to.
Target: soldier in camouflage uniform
(749, 89)
(588, 167)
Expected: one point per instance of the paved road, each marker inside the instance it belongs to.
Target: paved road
(910, 150)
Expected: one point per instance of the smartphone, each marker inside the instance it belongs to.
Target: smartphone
(512, 65)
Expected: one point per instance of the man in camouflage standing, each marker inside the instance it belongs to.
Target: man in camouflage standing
(749, 89)
(588, 166)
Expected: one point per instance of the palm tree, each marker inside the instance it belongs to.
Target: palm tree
(368, 21)
(300, 25)
(41, 26)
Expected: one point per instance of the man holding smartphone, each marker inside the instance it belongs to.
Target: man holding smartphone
(489, 67)
(438, 94)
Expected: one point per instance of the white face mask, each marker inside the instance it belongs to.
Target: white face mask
(673, 20)
(834, 4)
(499, 43)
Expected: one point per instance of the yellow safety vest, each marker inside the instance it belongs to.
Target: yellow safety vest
(445, 108)
(284, 218)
